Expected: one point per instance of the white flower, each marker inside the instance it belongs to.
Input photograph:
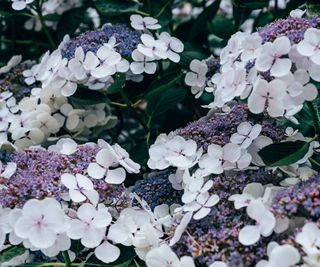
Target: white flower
(174, 46)
(197, 75)
(128, 223)
(246, 134)
(66, 146)
(80, 188)
(309, 238)
(310, 45)
(251, 47)
(271, 59)
(142, 63)
(14, 61)
(265, 220)
(99, 169)
(40, 222)
(297, 13)
(8, 170)
(20, 4)
(90, 226)
(65, 81)
(217, 157)
(268, 96)
(151, 47)
(76, 64)
(140, 23)
(280, 256)
(174, 151)
(250, 192)
(108, 61)
(121, 156)
(158, 152)
(164, 256)
(181, 152)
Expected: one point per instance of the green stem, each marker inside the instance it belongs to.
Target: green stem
(142, 13)
(131, 107)
(315, 162)
(44, 26)
(162, 9)
(66, 258)
(315, 117)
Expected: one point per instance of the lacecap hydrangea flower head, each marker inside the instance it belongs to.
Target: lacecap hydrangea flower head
(43, 105)
(67, 192)
(30, 114)
(275, 68)
(94, 58)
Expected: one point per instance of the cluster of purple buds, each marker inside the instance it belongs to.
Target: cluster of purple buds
(126, 39)
(302, 199)
(218, 128)
(38, 175)
(292, 27)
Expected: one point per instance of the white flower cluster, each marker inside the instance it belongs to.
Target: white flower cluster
(277, 77)
(97, 70)
(49, 225)
(34, 118)
(48, 109)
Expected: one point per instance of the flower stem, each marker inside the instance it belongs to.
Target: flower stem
(66, 258)
(44, 26)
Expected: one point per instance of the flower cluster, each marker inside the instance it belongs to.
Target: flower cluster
(46, 103)
(273, 69)
(94, 58)
(30, 115)
(49, 200)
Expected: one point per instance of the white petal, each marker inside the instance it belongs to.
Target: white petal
(249, 235)
(96, 171)
(116, 176)
(107, 252)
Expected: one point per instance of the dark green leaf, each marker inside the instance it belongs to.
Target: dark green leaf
(10, 253)
(200, 24)
(71, 20)
(222, 27)
(84, 96)
(119, 82)
(159, 86)
(286, 153)
(160, 103)
(115, 7)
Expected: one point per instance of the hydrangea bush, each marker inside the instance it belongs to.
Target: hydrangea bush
(162, 133)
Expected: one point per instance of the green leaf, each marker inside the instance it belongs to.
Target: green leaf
(159, 86)
(115, 7)
(222, 27)
(11, 252)
(200, 24)
(70, 21)
(84, 96)
(160, 103)
(285, 153)
(118, 83)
